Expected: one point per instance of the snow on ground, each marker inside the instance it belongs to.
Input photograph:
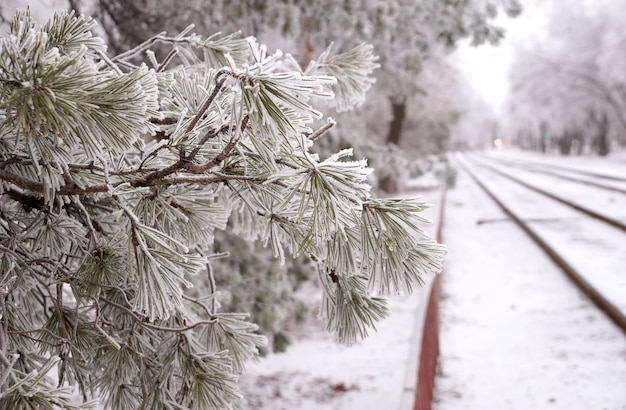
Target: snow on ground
(515, 334)
(595, 248)
(612, 164)
(316, 373)
(610, 203)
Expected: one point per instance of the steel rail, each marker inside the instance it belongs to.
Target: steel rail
(612, 311)
(542, 170)
(613, 222)
(574, 170)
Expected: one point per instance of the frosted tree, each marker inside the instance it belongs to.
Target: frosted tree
(116, 174)
(575, 87)
(407, 35)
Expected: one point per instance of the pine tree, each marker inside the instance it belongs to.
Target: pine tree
(115, 177)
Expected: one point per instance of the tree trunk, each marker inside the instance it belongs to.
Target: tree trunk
(565, 143)
(388, 184)
(398, 110)
(543, 136)
(307, 48)
(601, 143)
(603, 138)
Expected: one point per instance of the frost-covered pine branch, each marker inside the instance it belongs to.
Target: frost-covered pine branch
(114, 178)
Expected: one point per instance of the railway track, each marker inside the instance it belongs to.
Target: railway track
(567, 231)
(615, 183)
(548, 192)
(564, 168)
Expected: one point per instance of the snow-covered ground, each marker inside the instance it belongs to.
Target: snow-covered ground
(515, 334)
(379, 373)
(318, 374)
(595, 248)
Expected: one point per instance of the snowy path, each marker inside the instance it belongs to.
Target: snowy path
(515, 333)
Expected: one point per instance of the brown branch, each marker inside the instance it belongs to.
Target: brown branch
(201, 179)
(14, 160)
(141, 321)
(28, 202)
(322, 130)
(155, 177)
(219, 158)
(197, 302)
(22, 263)
(166, 61)
(219, 83)
(209, 135)
(185, 161)
(21, 181)
(71, 188)
(151, 155)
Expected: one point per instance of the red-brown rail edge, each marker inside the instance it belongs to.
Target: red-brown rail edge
(429, 352)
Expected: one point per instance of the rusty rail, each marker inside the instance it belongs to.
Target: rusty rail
(429, 352)
(612, 311)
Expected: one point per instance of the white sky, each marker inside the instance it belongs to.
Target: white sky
(486, 67)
